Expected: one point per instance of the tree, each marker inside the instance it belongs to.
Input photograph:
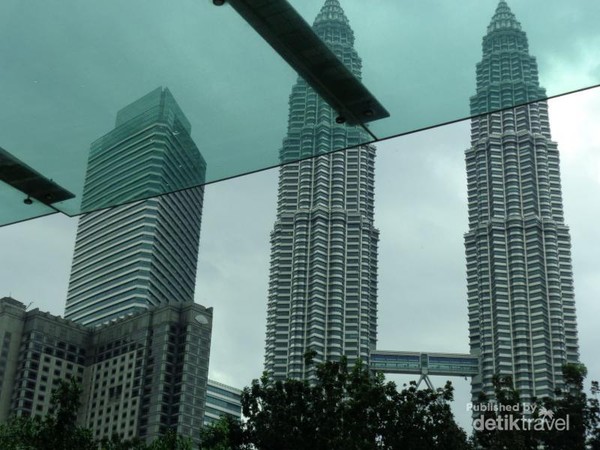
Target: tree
(344, 409)
(423, 419)
(571, 408)
(116, 442)
(594, 406)
(56, 431)
(341, 409)
(583, 414)
(60, 430)
(20, 433)
(171, 441)
(499, 438)
(224, 434)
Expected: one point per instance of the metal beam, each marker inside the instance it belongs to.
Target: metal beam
(293, 38)
(29, 181)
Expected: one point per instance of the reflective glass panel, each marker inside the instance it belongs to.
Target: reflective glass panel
(15, 206)
(118, 101)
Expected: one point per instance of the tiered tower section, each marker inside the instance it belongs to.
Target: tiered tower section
(323, 276)
(519, 274)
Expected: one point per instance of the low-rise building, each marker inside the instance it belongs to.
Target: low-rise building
(222, 400)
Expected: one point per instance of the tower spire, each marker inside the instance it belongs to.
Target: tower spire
(333, 27)
(331, 12)
(504, 18)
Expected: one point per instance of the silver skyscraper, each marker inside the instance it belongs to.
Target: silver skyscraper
(519, 275)
(144, 253)
(323, 276)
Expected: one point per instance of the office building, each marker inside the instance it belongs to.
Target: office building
(31, 368)
(143, 253)
(519, 274)
(222, 400)
(140, 375)
(323, 274)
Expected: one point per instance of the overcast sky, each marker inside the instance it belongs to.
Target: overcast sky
(420, 210)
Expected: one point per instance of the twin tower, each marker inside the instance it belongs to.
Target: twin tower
(323, 278)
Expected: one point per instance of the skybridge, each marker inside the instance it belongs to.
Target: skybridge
(425, 364)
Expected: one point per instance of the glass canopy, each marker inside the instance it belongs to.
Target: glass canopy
(82, 105)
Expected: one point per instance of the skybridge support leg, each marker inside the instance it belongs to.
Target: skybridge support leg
(427, 380)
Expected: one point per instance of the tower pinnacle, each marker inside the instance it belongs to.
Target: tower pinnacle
(503, 19)
(331, 12)
(333, 27)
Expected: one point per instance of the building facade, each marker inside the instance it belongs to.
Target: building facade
(323, 274)
(144, 253)
(222, 400)
(518, 249)
(30, 367)
(140, 375)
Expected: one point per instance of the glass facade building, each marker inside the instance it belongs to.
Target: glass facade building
(323, 273)
(518, 249)
(143, 253)
(222, 400)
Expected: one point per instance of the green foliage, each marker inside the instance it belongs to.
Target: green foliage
(422, 419)
(506, 396)
(594, 412)
(341, 409)
(583, 415)
(20, 433)
(171, 441)
(116, 442)
(58, 430)
(224, 434)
